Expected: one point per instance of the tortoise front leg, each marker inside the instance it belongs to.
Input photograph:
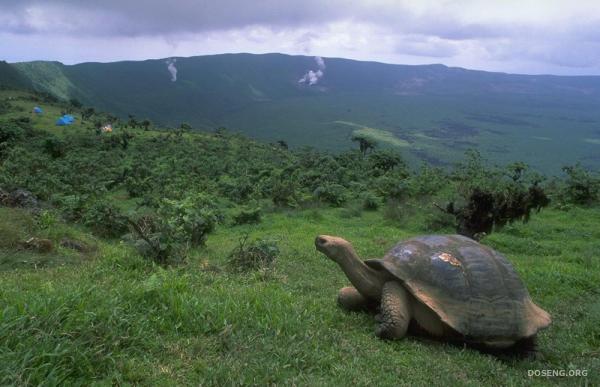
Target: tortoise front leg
(395, 312)
(350, 299)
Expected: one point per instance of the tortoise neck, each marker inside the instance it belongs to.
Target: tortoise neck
(369, 282)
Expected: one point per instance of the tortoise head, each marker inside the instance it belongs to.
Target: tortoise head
(337, 249)
(366, 280)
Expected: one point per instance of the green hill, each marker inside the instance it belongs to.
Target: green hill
(546, 121)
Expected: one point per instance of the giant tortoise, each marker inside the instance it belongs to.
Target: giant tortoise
(451, 286)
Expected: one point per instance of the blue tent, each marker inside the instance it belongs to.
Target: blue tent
(67, 119)
(37, 110)
(62, 122)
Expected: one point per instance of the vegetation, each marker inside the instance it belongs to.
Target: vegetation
(429, 113)
(188, 258)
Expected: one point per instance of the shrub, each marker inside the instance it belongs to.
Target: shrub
(137, 186)
(237, 190)
(10, 131)
(154, 240)
(333, 194)
(189, 220)
(580, 186)
(105, 219)
(46, 219)
(385, 160)
(489, 198)
(54, 147)
(283, 193)
(393, 185)
(435, 220)
(247, 215)
(370, 201)
(72, 206)
(256, 255)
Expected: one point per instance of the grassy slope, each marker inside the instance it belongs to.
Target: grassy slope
(120, 319)
(23, 106)
(111, 317)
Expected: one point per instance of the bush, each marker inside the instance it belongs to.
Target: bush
(105, 219)
(72, 206)
(10, 131)
(257, 255)
(333, 194)
(54, 147)
(154, 240)
(284, 193)
(489, 198)
(393, 185)
(370, 201)
(247, 215)
(436, 220)
(580, 186)
(189, 220)
(137, 186)
(237, 190)
(46, 219)
(385, 160)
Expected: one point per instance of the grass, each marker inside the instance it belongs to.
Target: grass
(117, 319)
(378, 135)
(18, 226)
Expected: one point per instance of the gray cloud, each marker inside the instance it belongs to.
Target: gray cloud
(153, 17)
(469, 33)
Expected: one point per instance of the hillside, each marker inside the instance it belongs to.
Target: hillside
(225, 287)
(432, 112)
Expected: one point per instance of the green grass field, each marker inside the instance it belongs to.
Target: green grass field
(107, 316)
(115, 319)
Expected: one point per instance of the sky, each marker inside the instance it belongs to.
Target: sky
(517, 36)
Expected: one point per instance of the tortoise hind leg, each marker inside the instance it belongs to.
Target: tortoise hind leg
(395, 313)
(350, 299)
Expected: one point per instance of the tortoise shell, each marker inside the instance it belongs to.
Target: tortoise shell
(472, 288)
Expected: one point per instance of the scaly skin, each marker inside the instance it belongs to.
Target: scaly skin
(396, 311)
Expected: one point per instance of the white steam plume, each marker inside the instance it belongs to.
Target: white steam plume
(172, 69)
(312, 77)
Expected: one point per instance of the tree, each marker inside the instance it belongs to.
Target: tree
(75, 103)
(98, 126)
(132, 122)
(386, 159)
(111, 119)
(581, 186)
(146, 124)
(87, 113)
(364, 143)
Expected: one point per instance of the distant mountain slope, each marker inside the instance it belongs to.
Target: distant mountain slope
(11, 77)
(434, 112)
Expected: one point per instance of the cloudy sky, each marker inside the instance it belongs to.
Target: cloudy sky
(519, 36)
